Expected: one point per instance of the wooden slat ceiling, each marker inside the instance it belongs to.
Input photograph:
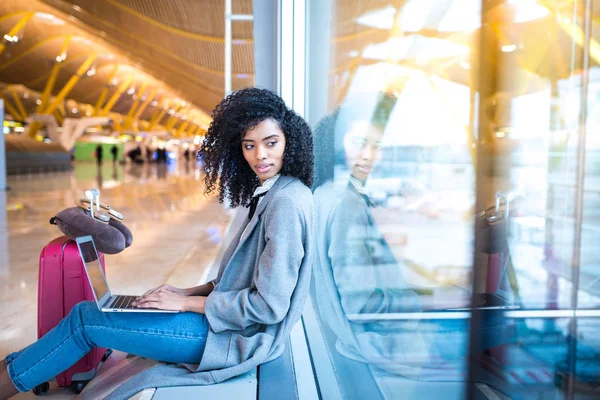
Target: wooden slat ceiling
(548, 49)
(176, 47)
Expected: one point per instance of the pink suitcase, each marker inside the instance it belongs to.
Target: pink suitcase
(62, 284)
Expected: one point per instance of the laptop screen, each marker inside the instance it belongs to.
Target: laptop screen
(93, 267)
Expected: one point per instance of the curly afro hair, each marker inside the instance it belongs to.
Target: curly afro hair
(331, 129)
(221, 151)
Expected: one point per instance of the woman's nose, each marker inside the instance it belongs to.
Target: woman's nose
(261, 153)
(367, 152)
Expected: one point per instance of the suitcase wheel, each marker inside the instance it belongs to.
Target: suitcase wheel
(41, 389)
(78, 386)
(106, 355)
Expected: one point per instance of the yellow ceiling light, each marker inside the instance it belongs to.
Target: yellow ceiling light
(509, 48)
(84, 40)
(459, 16)
(11, 39)
(528, 10)
(49, 18)
(92, 71)
(107, 56)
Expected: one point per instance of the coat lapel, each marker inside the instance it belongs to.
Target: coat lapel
(281, 182)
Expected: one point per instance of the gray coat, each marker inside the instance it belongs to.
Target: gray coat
(259, 293)
(355, 272)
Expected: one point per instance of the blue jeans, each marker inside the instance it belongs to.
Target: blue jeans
(175, 338)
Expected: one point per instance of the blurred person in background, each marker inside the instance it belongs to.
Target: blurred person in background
(114, 151)
(99, 154)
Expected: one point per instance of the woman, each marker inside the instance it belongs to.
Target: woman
(355, 269)
(359, 282)
(258, 153)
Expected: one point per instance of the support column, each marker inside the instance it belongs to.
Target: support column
(18, 101)
(156, 121)
(61, 96)
(292, 54)
(53, 75)
(2, 160)
(319, 39)
(490, 175)
(586, 56)
(229, 18)
(108, 106)
(16, 115)
(104, 93)
(265, 44)
(227, 69)
(17, 28)
(70, 84)
(4, 260)
(129, 119)
(142, 108)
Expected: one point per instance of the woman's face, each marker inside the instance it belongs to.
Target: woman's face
(362, 145)
(263, 148)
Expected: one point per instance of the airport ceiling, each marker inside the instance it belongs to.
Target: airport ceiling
(170, 54)
(170, 50)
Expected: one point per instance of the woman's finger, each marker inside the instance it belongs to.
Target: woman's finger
(141, 298)
(148, 292)
(145, 299)
(154, 290)
(150, 298)
(149, 304)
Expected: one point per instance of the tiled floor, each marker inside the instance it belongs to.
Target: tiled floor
(177, 232)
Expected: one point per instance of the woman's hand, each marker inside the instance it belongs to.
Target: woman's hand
(162, 300)
(164, 297)
(168, 288)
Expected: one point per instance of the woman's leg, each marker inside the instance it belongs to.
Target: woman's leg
(165, 337)
(7, 389)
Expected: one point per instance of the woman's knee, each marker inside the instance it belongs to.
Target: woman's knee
(85, 307)
(80, 316)
(81, 312)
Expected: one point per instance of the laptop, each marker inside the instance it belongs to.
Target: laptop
(106, 301)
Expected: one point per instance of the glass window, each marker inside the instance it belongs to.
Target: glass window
(456, 225)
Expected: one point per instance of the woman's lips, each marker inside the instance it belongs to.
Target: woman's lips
(263, 168)
(365, 169)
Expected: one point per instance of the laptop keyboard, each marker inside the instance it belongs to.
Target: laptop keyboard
(122, 302)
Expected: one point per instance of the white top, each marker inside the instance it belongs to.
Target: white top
(359, 186)
(264, 188)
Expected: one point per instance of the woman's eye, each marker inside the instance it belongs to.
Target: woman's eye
(271, 144)
(248, 147)
(359, 142)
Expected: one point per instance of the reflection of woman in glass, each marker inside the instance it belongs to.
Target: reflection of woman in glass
(356, 272)
(257, 152)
